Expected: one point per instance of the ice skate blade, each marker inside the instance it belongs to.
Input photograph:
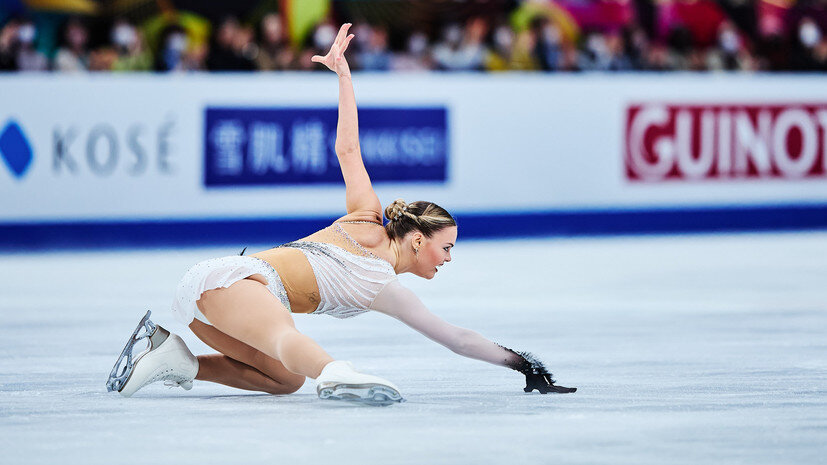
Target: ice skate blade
(120, 373)
(370, 394)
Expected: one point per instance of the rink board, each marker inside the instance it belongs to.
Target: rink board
(586, 154)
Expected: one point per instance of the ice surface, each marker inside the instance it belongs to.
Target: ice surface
(699, 349)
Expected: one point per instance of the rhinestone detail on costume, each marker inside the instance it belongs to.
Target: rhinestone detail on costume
(348, 281)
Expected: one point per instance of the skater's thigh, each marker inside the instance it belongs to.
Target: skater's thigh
(247, 311)
(242, 352)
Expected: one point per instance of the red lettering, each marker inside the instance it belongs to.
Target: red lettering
(666, 142)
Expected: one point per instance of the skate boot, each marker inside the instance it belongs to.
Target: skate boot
(340, 381)
(166, 357)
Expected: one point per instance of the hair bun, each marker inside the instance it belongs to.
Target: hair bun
(395, 210)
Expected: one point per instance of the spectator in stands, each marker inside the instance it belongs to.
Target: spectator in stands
(636, 44)
(461, 51)
(501, 51)
(246, 47)
(548, 41)
(820, 55)
(657, 58)
(616, 57)
(230, 50)
(9, 45)
(804, 52)
(730, 53)
(416, 57)
(28, 57)
(73, 56)
(681, 47)
(524, 51)
(660, 35)
(375, 56)
(172, 49)
(274, 51)
(128, 42)
(569, 59)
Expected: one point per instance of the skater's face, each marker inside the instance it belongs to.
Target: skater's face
(433, 251)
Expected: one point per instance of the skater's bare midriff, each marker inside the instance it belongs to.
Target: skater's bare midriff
(296, 273)
(297, 276)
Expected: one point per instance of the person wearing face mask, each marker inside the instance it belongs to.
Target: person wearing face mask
(171, 56)
(128, 43)
(730, 52)
(28, 57)
(462, 49)
(416, 56)
(808, 37)
(242, 306)
(547, 48)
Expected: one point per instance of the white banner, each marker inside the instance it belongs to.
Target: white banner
(133, 147)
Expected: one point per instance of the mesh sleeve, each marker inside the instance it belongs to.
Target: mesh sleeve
(401, 303)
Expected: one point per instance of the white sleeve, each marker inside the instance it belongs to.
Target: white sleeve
(401, 303)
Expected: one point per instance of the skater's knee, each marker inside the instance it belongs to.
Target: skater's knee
(294, 384)
(287, 338)
(288, 385)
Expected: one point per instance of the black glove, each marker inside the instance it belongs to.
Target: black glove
(537, 375)
(544, 384)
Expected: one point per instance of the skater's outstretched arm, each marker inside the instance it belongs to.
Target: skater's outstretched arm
(359, 194)
(401, 303)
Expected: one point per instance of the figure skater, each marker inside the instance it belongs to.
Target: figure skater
(241, 305)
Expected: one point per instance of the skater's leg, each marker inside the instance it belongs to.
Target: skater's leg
(248, 312)
(221, 369)
(242, 366)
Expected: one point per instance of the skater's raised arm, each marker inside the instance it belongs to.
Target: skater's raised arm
(401, 303)
(359, 193)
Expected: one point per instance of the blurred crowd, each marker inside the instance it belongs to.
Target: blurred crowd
(545, 35)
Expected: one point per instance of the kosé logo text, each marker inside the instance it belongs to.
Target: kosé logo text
(104, 149)
(695, 142)
(15, 149)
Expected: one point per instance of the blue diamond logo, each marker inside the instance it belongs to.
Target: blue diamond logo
(15, 149)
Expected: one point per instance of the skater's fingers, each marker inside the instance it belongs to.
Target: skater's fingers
(346, 43)
(342, 33)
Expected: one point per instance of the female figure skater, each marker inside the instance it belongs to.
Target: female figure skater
(241, 305)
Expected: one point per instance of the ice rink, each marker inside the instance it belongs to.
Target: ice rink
(685, 349)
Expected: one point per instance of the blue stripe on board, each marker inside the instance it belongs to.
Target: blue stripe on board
(222, 231)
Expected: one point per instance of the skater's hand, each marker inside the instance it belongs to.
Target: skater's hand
(335, 59)
(543, 383)
(536, 374)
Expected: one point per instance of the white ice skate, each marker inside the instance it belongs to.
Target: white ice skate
(165, 358)
(340, 381)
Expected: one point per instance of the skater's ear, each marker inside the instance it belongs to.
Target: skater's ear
(417, 238)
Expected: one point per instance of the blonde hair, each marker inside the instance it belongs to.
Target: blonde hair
(425, 217)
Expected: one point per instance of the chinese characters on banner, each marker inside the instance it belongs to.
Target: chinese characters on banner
(288, 146)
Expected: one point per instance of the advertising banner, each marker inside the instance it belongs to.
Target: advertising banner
(723, 142)
(284, 146)
(510, 154)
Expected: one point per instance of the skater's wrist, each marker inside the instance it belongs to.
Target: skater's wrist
(524, 362)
